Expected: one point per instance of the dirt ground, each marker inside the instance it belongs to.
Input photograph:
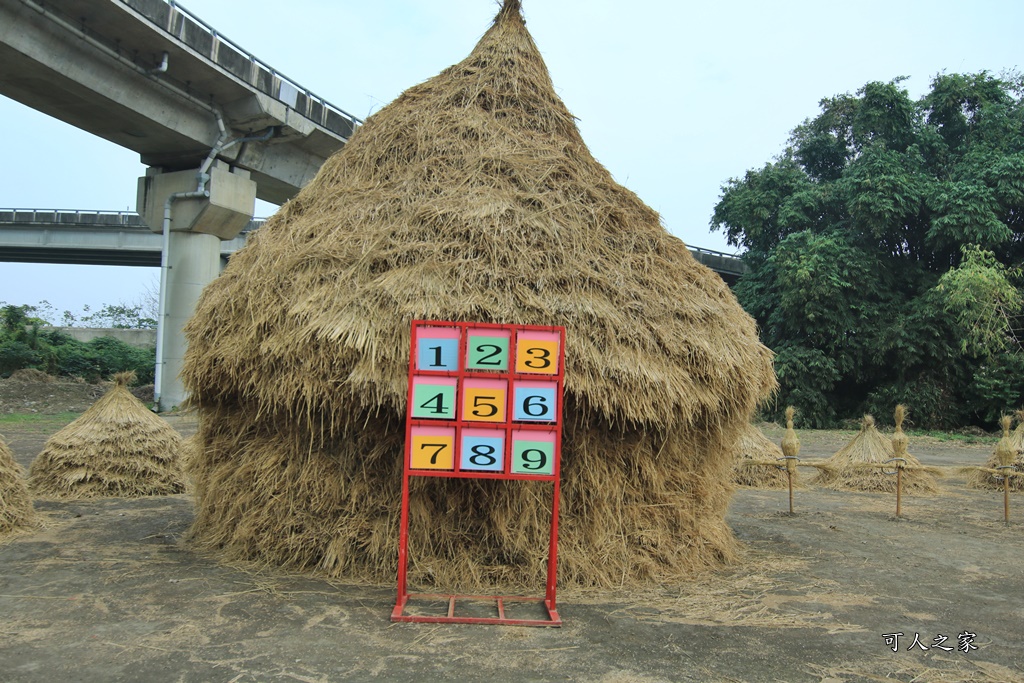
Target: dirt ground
(106, 591)
(34, 393)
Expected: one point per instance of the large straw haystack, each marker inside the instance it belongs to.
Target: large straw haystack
(851, 467)
(15, 503)
(1009, 450)
(470, 197)
(753, 445)
(115, 448)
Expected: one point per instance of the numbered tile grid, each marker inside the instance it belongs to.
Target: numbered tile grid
(485, 401)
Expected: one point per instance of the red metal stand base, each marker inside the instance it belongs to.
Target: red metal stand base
(440, 602)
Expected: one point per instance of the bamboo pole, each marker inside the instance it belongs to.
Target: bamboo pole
(999, 471)
(1006, 492)
(792, 462)
(901, 463)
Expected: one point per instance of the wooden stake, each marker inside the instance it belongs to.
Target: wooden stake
(1006, 494)
(899, 490)
(789, 476)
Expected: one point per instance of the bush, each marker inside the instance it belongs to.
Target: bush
(15, 355)
(56, 353)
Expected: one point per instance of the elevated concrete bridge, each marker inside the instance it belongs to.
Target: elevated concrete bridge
(153, 78)
(216, 126)
(100, 238)
(121, 238)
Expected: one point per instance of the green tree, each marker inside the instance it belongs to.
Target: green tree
(882, 246)
(24, 344)
(120, 316)
(987, 306)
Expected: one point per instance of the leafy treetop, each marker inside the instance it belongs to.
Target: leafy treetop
(883, 245)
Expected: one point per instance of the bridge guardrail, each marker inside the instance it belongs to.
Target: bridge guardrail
(182, 25)
(78, 218)
(718, 261)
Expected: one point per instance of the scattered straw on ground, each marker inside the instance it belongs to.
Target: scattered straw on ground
(30, 376)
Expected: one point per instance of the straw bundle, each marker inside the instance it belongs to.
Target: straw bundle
(852, 467)
(115, 448)
(753, 446)
(1007, 452)
(1017, 436)
(790, 441)
(15, 504)
(899, 438)
(470, 197)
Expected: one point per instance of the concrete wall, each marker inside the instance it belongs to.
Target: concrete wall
(143, 339)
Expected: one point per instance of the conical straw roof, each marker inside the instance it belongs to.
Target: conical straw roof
(845, 469)
(473, 197)
(15, 503)
(754, 445)
(115, 448)
(470, 197)
(1009, 450)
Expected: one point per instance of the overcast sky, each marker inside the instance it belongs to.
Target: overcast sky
(673, 97)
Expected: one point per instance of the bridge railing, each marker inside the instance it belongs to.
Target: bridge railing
(719, 261)
(202, 38)
(79, 218)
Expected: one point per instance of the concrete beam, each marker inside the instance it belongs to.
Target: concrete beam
(98, 70)
(87, 237)
(63, 76)
(224, 212)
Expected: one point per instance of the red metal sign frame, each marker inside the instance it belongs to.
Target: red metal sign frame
(509, 427)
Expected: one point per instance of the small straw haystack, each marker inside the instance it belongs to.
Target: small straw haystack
(1008, 451)
(471, 197)
(115, 448)
(753, 445)
(852, 466)
(15, 504)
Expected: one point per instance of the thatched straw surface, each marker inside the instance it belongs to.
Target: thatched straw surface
(754, 445)
(470, 197)
(847, 468)
(115, 448)
(15, 503)
(1017, 435)
(1009, 450)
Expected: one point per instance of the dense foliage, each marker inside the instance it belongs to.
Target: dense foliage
(25, 344)
(884, 247)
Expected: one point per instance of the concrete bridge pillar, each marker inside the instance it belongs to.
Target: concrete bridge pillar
(191, 258)
(194, 261)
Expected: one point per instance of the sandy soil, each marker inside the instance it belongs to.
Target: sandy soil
(105, 591)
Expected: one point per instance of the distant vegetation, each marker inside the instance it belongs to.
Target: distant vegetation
(24, 344)
(884, 247)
